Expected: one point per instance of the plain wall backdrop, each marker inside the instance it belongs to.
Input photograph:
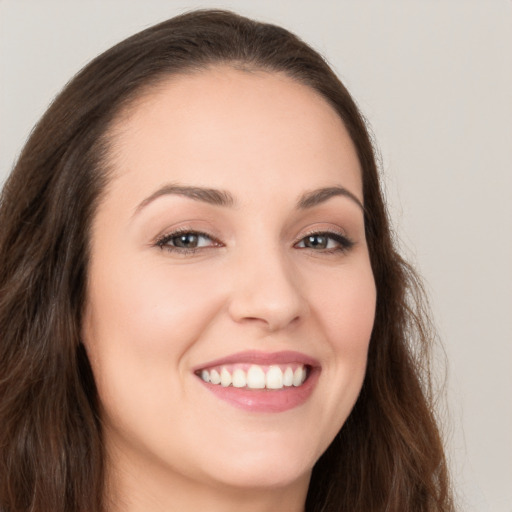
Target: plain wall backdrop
(434, 79)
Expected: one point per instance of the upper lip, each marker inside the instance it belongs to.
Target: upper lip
(262, 358)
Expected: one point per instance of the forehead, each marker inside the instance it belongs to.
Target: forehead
(213, 126)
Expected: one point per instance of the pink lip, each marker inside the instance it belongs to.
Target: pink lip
(265, 400)
(262, 358)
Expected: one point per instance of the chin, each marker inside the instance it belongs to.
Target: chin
(262, 474)
(271, 465)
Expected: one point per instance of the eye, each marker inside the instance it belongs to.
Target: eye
(328, 242)
(186, 241)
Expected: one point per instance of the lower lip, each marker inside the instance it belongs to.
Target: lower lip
(266, 400)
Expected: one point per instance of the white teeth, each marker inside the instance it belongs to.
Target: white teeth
(214, 377)
(288, 377)
(274, 378)
(299, 375)
(225, 378)
(255, 377)
(239, 379)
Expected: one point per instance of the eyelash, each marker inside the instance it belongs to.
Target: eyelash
(164, 241)
(344, 243)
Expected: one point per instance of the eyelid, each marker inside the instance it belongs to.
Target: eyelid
(161, 240)
(346, 243)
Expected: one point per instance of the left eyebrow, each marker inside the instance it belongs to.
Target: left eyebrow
(318, 196)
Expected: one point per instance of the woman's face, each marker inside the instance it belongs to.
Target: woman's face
(229, 246)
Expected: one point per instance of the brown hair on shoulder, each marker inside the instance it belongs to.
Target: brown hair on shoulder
(387, 457)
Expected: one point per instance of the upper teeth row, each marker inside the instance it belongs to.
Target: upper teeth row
(255, 377)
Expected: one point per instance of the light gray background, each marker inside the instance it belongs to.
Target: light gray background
(434, 79)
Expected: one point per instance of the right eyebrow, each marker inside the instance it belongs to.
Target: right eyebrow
(321, 195)
(206, 195)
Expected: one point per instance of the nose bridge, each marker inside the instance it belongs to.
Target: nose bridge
(265, 288)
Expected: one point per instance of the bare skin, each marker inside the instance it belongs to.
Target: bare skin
(233, 223)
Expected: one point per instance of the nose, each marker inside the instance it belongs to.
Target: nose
(266, 291)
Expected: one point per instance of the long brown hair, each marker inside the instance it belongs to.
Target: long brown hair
(387, 457)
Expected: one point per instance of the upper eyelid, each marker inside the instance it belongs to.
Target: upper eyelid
(327, 233)
(185, 229)
(345, 241)
(162, 240)
(324, 231)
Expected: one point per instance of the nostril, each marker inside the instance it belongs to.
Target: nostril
(271, 314)
(266, 292)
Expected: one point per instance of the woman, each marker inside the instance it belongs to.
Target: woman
(201, 305)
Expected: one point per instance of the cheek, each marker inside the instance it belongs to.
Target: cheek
(343, 302)
(138, 327)
(148, 306)
(347, 308)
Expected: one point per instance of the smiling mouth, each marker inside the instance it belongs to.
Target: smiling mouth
(255, 376)
(261, 382)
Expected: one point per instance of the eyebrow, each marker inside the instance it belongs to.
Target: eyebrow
(318, 196)
(218, 197)
(207, 195)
